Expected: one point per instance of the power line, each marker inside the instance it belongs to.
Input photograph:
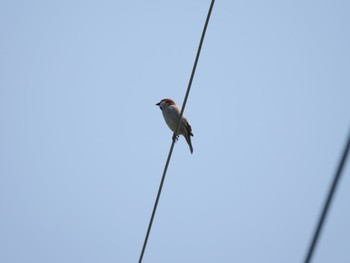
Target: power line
(328, 201)
(176, 132)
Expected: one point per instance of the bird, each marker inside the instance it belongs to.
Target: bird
(171, 113)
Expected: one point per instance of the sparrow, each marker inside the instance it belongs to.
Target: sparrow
(171, 114)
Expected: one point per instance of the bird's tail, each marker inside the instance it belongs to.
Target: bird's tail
(188, 140)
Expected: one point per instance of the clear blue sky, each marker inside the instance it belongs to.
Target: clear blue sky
(83, 146)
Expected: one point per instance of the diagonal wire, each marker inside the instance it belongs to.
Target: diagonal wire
(176, 132)
(328, 202)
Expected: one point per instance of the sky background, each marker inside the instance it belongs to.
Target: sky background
(83, 146)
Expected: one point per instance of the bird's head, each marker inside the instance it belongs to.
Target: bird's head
(165, 103)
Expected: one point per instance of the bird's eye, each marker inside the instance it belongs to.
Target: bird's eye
(161, 108)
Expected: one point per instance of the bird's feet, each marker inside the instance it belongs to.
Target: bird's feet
(175, 137)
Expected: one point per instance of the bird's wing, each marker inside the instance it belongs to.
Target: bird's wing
(188, 127)
(175, 113)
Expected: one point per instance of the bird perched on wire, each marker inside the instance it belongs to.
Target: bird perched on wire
(171, 114)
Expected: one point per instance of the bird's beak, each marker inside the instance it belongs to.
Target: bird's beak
(158, 104)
